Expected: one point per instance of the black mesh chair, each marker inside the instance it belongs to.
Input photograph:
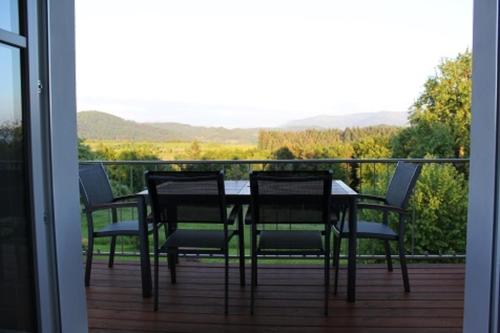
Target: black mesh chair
(194, 198)
(96, 194)
(396, 201)
(292, 198)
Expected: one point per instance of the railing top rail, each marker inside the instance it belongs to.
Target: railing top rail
(309, 161)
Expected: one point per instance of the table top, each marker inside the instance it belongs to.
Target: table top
(241, 188)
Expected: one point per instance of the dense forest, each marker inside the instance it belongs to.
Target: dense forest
(438, 128)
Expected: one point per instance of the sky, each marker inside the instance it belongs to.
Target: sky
(10, 79)
(261, 63)
(10, 86)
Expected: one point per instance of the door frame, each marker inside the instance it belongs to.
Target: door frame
(38, 166)
(483, 256)
(482, 273)
(59, 148)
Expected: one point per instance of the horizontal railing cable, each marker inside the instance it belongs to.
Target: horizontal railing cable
(308, 161)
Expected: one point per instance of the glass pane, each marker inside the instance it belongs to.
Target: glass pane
(17, 310)
(9, 15)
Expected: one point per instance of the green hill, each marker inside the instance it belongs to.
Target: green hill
(96, 125)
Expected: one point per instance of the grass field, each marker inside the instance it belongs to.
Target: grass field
(181, 150)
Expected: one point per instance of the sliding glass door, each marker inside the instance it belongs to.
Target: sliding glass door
(17, 278)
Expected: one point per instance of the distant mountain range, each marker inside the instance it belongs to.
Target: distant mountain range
(351, 120)
(96, 125)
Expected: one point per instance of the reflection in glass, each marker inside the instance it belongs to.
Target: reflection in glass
(17, 311)
(9, 15)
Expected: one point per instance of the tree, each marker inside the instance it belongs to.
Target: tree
(440, 117)
(131, 175)
(194, 151)
(85, 153)
(283, 154)
(434, 138)
(11, 140)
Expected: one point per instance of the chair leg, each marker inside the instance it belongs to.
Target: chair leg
(253, 282)
(256, 273)
(171, 264)
(388, 257)
(156, 268)
(112, 247)
(88, 264)
(242, 261)
(165, 230)
(327, 272)
(241, 240)
(176, 254)
(336, 258)
(404, 268)
(334, 246)
(226, 279)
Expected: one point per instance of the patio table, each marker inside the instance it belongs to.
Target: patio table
(238, 193)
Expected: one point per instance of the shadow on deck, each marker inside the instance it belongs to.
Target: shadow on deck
(289, 299)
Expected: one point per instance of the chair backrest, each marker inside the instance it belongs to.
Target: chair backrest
(402, 183)
(94, 185)
(187, 196)
(291, 197)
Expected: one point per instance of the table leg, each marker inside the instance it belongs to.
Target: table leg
(351, 266)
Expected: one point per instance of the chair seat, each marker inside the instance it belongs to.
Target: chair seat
(203, 239)
(122, 228)
(368, 229)
(248, 217)
(290, 240)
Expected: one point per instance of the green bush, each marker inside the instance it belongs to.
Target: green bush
(440, 203)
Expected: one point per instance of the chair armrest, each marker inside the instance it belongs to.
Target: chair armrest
(384, 208)
(139, 203)
(372, 197)
(127, 197)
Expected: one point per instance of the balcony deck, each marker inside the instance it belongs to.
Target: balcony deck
(289, 299)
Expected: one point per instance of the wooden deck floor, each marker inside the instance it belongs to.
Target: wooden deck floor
(289, 299)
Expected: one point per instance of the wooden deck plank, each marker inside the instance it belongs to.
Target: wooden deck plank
(289, 299)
